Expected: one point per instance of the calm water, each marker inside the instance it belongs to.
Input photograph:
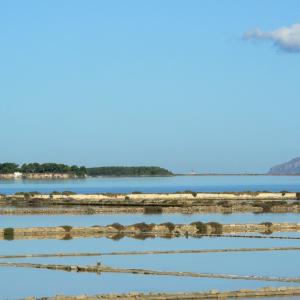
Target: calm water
(55, 282)
(49, 283)
(156, 184)
(127, 219)
(19, 283)
(130, 244)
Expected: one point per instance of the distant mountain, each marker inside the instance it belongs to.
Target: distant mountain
(290, 167)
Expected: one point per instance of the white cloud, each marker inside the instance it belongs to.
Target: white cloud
(285, 38)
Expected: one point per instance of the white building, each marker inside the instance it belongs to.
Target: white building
(17, 175)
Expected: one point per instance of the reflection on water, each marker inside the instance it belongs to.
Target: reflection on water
(127, 219)
(128, 244)
(280, 263)
(50, 283)
(20, 283)
(47, 283)
(156, 184)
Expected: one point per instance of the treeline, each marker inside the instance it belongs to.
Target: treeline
(128, 171)
(9, 168)
(30, 168)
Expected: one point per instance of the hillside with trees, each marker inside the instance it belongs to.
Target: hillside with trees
(128, 171)
(53, 168)
(9, 168)
(36, 168)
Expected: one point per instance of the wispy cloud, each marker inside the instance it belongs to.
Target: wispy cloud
(285, 38)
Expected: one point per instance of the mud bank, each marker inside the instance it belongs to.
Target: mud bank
(139, 230)
(213, 294)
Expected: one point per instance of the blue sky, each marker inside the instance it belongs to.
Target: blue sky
(170, 83)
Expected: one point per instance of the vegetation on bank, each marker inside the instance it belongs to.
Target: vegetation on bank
(36, 168)
(8, 234)
(31, 168)
(128, 171)
(9, 168)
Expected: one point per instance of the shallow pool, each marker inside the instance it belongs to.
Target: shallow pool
(126, 219)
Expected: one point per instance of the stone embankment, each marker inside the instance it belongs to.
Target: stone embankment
(67, 203)
(141, 229)
(213, 294)
(182, 198)
(107, 269)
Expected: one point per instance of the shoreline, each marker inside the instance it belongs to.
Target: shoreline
(137, 195)
(58, 176)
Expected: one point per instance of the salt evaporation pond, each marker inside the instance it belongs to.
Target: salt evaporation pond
(47, 282)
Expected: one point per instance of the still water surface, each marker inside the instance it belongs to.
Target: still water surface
(130, 244)
(128, 219)
(40, 283)
(45, 282)
(156, 184)
(18, 283)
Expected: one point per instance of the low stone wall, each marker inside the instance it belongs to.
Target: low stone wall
(166, 229)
